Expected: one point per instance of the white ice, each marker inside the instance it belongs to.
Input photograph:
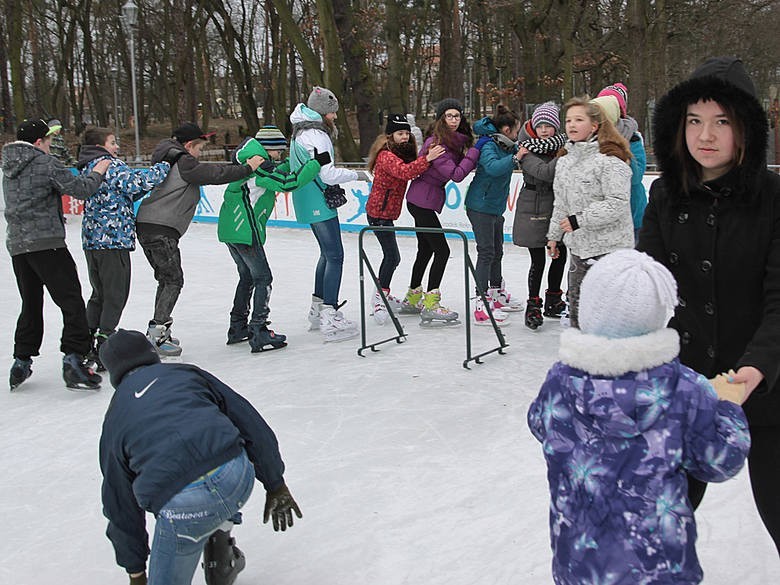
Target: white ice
(409, 468)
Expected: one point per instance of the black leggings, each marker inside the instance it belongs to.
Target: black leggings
(554, 274)
(428, 245)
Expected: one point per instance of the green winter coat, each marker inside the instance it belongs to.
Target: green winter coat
(243, 215)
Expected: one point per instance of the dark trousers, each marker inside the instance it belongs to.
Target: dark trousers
(764, 470)
(254, 284)
(164, 257)
(109, 275)
(489, 235)
(55, 270)
(391, 255)
(554, 274)
(428, 246)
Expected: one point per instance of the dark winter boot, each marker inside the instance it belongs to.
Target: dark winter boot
(222, 559)
(93, 357)
(237, 333)
(21, 369)
(264, 339)
(554, 305)
(533, 313)
(78, 375)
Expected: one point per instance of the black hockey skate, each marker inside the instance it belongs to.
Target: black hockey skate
(20, 371)
(264, 339)
(238, 333)
(222, 559)
(77, 375)
(533, 313)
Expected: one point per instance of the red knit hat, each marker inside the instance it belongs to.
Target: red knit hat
(620, 92)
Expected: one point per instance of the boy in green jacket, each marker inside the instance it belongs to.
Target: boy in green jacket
(242, 220)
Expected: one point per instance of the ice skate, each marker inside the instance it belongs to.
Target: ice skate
(433, 314)
(264, 339)
(533, 313)
(482, 318)
(222, 559)
(412, 302)
(314, 313)
(21, 369)
(237, 333)
(336, 327)
(554, 305)
(160, 336)
(93, 357)
(380, 312)
(78, 375)
(503, 300)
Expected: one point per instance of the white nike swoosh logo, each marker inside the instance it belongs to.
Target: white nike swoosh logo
(142, 392)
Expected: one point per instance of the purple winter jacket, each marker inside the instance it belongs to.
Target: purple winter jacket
(427, 190)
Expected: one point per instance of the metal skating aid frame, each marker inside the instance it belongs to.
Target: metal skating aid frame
(400, 337)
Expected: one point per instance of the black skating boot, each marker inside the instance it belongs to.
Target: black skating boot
(533, 313)
(78, 375)
(222, 559)
(238, 332)
(264, 339)
(554, 305)
(21, 369)
(93, 357)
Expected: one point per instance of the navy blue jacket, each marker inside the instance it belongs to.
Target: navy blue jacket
(167, 425)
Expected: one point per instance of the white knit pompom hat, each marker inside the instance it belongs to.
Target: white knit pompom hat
(626, 294)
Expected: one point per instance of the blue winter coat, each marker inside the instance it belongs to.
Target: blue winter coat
(638, 167)
(621, 421)
(489, 188)
(109, 219)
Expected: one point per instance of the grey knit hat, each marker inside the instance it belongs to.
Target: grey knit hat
(448, 104)
(322, 101)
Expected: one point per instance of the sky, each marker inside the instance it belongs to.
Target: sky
(409, 469)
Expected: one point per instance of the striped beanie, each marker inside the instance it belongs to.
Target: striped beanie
(546, 113)
(620, 92)
(271, 138)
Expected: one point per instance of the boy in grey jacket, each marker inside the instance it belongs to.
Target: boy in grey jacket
(164, 216)
(33, 184)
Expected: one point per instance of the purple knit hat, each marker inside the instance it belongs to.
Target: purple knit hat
(546, 113)
(620, 92)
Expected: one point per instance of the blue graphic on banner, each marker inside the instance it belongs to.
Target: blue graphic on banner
(204, 205)
(362, 200)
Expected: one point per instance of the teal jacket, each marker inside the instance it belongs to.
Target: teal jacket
(246, 207)
(489, 188)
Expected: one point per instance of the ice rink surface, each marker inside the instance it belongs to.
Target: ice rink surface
(409, 469)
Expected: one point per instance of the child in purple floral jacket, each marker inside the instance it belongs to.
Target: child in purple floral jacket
(621, 421)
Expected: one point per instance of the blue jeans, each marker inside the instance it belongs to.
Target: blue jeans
(489, 234)
(327, 277)
(187, 520)
(254, 283)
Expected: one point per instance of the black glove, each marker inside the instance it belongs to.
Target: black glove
(140, 580)
(279, 505)
(322, 157)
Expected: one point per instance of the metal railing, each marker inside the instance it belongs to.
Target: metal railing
(400, 337)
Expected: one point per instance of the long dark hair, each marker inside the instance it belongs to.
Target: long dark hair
(443, 135)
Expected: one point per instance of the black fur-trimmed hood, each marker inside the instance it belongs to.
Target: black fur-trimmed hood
(724, 80)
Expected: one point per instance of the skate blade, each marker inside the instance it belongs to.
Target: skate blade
(268, 347)
(438, 323)
(171, 359)
(341, 336)
(236, 341)
(509, 309)
(487, 323)
(83, 387)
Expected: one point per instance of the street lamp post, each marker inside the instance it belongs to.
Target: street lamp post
(470, 63)
(113, 73)
(129, 20)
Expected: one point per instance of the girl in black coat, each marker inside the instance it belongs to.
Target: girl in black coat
(713, 219)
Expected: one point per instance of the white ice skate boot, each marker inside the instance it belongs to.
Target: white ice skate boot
(503, 300)
(336, 327)
(381, 314)
(481, 316)
(160, 336)
(433, 313)
(314, 313)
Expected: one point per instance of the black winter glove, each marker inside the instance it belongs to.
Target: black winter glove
(322, 157)
(279, 506)
(140, 580)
